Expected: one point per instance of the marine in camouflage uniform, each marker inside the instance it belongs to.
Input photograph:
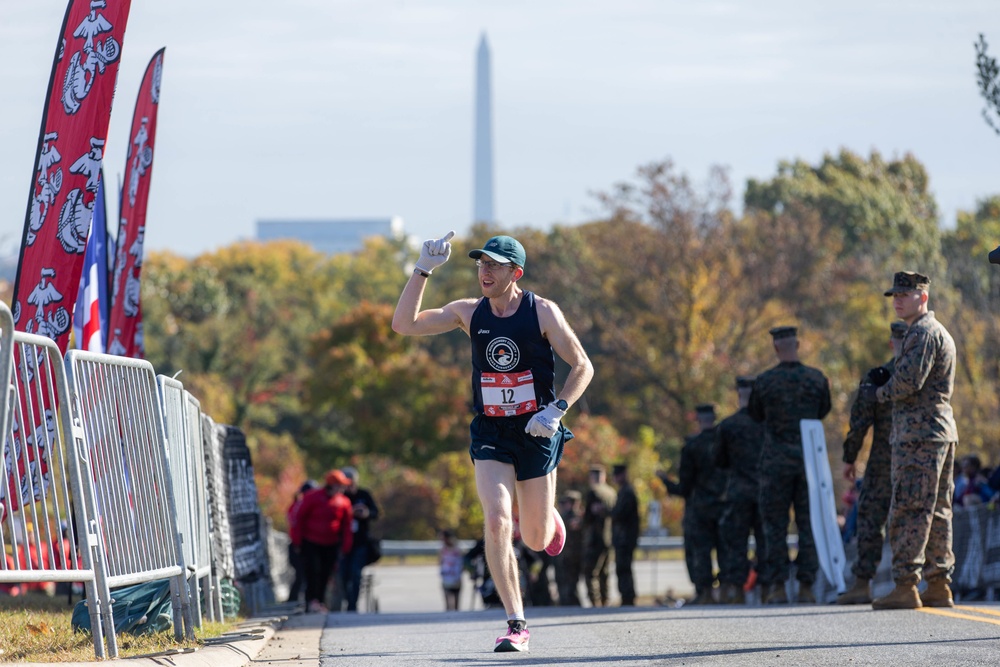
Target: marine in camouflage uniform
(782, 397)
(703, 487)
(624, 533)
(569, 563)
(876, 488)
(924, 437)
(597, 506)
(738, 443)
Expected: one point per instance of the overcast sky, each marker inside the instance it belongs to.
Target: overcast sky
(318, 109)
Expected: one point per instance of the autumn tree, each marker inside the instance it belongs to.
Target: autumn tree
(671, 293)
(372, 391)
(244, 316)
(666, 307)
(243, 313)
(972, 320)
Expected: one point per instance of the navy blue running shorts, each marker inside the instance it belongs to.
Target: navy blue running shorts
(503, 439)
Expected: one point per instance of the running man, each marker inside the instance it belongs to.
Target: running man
(517, 434)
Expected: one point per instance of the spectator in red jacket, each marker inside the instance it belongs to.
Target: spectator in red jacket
(322, 532)
(294, 557)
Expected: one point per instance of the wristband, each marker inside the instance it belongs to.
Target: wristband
(421, 272)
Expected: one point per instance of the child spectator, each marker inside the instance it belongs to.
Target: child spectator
(451, 570)
(972, 488)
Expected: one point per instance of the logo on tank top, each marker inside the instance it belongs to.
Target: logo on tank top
(502, 354)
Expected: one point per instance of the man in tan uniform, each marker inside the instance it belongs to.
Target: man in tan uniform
(923, 440)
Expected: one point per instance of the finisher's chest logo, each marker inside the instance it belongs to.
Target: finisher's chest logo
(502, 354)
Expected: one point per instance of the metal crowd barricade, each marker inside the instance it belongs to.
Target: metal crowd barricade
(115, 400)
(182, 422)
(48, 531)
(223, 567)
(203, 536)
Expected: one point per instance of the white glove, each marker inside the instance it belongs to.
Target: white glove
(434, 253)
(545, 422)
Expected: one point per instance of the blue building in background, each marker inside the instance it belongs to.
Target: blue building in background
(331, 236)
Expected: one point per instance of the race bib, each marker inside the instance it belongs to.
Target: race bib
(508, 394)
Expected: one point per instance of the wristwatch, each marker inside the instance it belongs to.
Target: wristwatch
(562, 405)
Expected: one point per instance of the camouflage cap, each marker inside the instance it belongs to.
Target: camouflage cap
(744, 381)
(898, 328)
(783, 332)
(705, 409)
(907, 281)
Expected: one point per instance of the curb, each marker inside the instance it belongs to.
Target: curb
(233, 649)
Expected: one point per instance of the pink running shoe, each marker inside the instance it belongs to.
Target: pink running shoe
(555, 547)
(516, 638)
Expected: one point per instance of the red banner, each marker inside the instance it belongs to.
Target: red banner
(125, 322)
(68, 166)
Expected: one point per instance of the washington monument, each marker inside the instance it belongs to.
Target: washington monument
(482, 205)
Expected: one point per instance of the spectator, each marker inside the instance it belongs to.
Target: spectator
(364, 511)
(871, 509)
(848, 519)
(924, 438)
(597, 535)
(294, 555)
(475, 563)
(738, 443)
(569, 563)
(994, 482)
(781, 398)
(534, 568)
(624, 533)
(322, 530)
(703, 486)
(451, 563)
(972, 487)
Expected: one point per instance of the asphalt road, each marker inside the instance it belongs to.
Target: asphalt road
(773, 635)
(412, 629)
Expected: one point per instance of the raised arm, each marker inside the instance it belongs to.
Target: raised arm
(408, 319)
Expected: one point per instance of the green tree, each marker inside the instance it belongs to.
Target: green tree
(884, 211)
(988, 80)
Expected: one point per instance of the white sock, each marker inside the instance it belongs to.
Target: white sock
(516, 616)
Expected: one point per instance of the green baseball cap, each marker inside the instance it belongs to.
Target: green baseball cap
(503, 249)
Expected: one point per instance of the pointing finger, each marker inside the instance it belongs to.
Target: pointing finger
(449, 235)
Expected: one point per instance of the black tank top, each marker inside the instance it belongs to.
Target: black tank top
(513, 366)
